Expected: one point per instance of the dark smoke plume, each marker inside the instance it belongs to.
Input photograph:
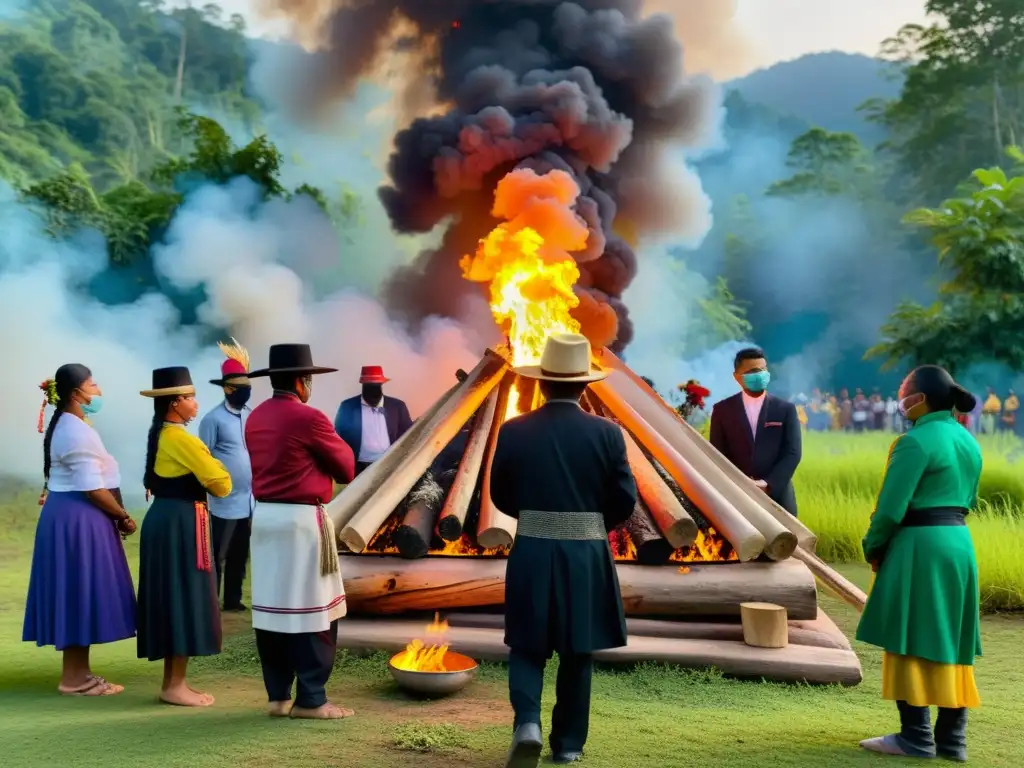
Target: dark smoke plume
(589, 87)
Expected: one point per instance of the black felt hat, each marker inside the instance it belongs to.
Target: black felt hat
(170, 381)
(291, 358)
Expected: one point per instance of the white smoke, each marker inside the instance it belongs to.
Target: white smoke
(257, 261)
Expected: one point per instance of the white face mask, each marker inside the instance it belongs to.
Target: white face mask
(903, 407)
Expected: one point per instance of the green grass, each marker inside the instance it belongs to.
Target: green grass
(650, 716)
(840, 475)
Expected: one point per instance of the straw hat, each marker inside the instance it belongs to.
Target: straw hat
(170, 381)
(566, 357)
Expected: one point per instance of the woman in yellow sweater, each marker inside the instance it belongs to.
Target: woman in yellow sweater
(178, 614)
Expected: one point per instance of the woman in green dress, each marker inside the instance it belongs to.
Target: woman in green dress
(924, 605)
(178, 613)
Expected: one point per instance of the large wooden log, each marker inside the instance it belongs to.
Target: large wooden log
(456, 506)
(345, 505)
(494, 528)
(651, 547)
(416, 531)
(746, 540)
(436, 434)
(678, 528)
(805, 537)
(392, 585)
(820, 632)
(779, 541)
(797, 663)
(836, 583)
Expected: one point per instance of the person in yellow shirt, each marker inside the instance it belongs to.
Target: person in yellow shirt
(1010, 407)
(989, 412)
(178, 613)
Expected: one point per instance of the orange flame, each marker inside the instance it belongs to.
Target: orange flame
(420, 657)
(526, 260)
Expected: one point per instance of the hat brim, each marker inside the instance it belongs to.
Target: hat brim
(374, 379)
(232, 381)
(538, 373)
(185, 389)
(312, 370)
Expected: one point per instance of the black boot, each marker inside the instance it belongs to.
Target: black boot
(913, 740)
(951, 734)
(915, 734)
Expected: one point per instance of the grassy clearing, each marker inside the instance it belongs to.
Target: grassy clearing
(840, 475)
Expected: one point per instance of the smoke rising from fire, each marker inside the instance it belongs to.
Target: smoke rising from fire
(592, 88)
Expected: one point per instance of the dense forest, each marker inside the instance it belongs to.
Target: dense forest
(862, 225)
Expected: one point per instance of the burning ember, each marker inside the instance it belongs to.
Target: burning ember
(526, 260)
(418, 656)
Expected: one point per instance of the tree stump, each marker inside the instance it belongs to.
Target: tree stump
(765, 625)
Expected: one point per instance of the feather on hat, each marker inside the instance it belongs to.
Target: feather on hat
(234, 371)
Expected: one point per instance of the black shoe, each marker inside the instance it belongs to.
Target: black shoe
(526, 747)
(238, 608)
(567, 757)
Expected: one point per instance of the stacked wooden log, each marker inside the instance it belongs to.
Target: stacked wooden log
(429, 495)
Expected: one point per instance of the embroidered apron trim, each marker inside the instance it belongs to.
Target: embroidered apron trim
(204, 560)
(319, 609)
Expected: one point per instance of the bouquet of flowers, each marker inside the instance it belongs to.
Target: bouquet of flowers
(693, 398)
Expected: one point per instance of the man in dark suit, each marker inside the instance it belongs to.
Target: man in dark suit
(757, 432)
(563, 474)
(371, 422)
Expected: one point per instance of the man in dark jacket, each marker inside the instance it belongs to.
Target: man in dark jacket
(564, 475)
(371, 422)
(757, 432)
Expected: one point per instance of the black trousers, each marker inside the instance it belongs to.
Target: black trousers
(231, 552)
(570, 721)
(307, 657)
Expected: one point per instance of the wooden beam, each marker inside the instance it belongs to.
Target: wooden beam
(836, 583)
(453, 514)
(678, 528)
(797, 663)
(436, 434)
(387, 585)
(805, 536)
(494, 528)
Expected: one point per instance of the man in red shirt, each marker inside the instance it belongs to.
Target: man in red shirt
(297, 592)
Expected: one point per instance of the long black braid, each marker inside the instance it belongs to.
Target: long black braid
(160, 407)
(66, 380)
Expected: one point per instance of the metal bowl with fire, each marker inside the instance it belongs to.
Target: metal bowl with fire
(429, 668)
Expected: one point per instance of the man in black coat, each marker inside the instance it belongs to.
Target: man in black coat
(759, 433)
(564, 475)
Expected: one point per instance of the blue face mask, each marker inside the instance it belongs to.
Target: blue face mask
(756, 382)
(93, 406)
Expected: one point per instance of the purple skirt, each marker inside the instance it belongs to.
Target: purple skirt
(80, 590)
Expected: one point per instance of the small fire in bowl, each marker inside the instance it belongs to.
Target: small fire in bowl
(427, 667)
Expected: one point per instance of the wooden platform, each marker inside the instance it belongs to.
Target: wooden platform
(818, 651)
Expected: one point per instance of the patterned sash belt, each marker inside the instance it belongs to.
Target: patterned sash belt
(204, 561)
(562, 526)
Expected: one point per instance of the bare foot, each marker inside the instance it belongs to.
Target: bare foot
(96, 686)
(183, 696)
(326, 711)
(279, 708)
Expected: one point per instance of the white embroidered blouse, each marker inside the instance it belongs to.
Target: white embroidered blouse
(78, 460)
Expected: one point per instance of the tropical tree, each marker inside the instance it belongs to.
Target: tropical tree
(979, 316)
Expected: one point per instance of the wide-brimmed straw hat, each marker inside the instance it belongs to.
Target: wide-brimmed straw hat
(175, 380)
(566, 357)
(291, 358)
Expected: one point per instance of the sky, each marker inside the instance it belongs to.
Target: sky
(770, 30)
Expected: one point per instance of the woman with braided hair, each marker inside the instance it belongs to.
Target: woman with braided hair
(80, 589)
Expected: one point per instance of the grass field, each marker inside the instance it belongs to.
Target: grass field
(648, 716)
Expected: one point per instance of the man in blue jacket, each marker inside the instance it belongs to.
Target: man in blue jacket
(371, 422)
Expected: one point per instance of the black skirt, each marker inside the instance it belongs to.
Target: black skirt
(178, 613)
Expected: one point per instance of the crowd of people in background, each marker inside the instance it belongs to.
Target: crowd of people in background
(862, 412)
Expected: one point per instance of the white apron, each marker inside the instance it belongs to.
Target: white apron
(289, 592)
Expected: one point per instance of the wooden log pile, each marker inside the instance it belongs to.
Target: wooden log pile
(427, 500)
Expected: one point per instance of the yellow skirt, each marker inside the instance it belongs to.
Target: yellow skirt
(923, 683)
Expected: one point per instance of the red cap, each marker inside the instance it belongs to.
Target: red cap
(372, 374)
